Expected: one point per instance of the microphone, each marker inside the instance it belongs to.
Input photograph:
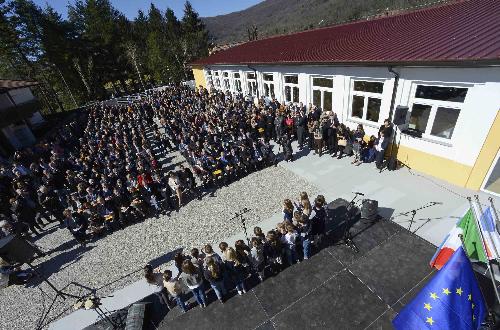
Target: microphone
(358, 193)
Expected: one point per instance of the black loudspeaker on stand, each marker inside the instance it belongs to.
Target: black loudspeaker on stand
(369, 210)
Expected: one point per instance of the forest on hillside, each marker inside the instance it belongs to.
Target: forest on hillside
(272, 17)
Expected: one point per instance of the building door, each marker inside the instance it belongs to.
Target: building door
(491, 183)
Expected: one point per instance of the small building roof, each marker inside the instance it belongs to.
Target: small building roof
(462, 31)
(7, 84)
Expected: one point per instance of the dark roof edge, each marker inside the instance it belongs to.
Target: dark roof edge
(454, 63)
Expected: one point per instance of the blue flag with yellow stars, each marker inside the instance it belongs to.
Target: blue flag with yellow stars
(451, 300)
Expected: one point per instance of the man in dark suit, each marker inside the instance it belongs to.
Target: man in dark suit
(301, 127)
(381, 147)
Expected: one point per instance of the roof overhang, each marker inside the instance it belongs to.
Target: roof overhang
(8, 84)
(451, 63)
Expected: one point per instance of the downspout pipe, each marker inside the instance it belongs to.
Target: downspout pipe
(394, 91)
(392, 157)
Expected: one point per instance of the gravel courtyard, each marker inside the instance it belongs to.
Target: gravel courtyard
(125, 251)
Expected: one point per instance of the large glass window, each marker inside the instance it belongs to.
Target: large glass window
(227, 84)
(323, 82)
(451, 94)
(444, 122)
(217, 80)
(291, 88)
(358, 103)
(269, 85)
(251, 84)
(435, 110)
(237, 82)
(419, 117)
(322, 89)
(366, 100)
(210, 82)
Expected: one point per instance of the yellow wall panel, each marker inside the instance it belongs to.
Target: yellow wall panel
(436, 166)
(199, 76)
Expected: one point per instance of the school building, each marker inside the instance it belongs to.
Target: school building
(437, 67)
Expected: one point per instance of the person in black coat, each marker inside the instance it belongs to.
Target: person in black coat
(286, 143)
(318, 222)
(25, 213)
(301, 128)
(50, 201)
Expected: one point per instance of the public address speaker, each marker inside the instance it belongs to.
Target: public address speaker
(16, 249)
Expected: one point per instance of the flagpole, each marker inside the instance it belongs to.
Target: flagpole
(493, 246)
(482, 242)
(495, 214)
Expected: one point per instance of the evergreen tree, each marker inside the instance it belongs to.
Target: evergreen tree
(194, 35)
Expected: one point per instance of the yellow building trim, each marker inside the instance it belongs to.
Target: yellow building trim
(486, 156)
(439, 167)
(199, 76)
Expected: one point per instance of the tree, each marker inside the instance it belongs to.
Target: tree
(194, 35)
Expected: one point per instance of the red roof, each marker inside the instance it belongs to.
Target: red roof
(454, 32)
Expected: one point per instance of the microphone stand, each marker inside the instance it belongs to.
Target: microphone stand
(240, 215)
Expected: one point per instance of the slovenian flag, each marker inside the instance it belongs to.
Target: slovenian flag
(471, 241)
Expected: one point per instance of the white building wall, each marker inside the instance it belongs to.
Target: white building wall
(476, 116)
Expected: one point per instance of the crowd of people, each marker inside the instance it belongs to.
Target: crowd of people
(295, 239)
(99, 173)
(103, 170)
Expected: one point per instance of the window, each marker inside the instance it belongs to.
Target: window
(366, 100)
(435, 110)
(217, 80)
(451, 94)
(237, 82)
(227, 84)
(210, 82)
(444, 122)
(292, 80)
(419, 117)
(269, 85)
(268, 77)
(323, 82)
(323, 92)
(251, 84)
(292, 88)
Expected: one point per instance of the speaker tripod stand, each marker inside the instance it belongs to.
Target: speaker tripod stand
(59, 293)
(347, 236)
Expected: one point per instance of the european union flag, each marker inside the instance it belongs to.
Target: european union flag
(451, 300)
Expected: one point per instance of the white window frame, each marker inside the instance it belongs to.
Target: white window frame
(236, 81)
(208, 78)
(217, 75)
(268, 83)
(226, 81)
(291, 85)
(253, 82)
(435, 104)
(322, 90)
(365, 95)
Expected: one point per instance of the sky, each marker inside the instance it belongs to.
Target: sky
(130, 7)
